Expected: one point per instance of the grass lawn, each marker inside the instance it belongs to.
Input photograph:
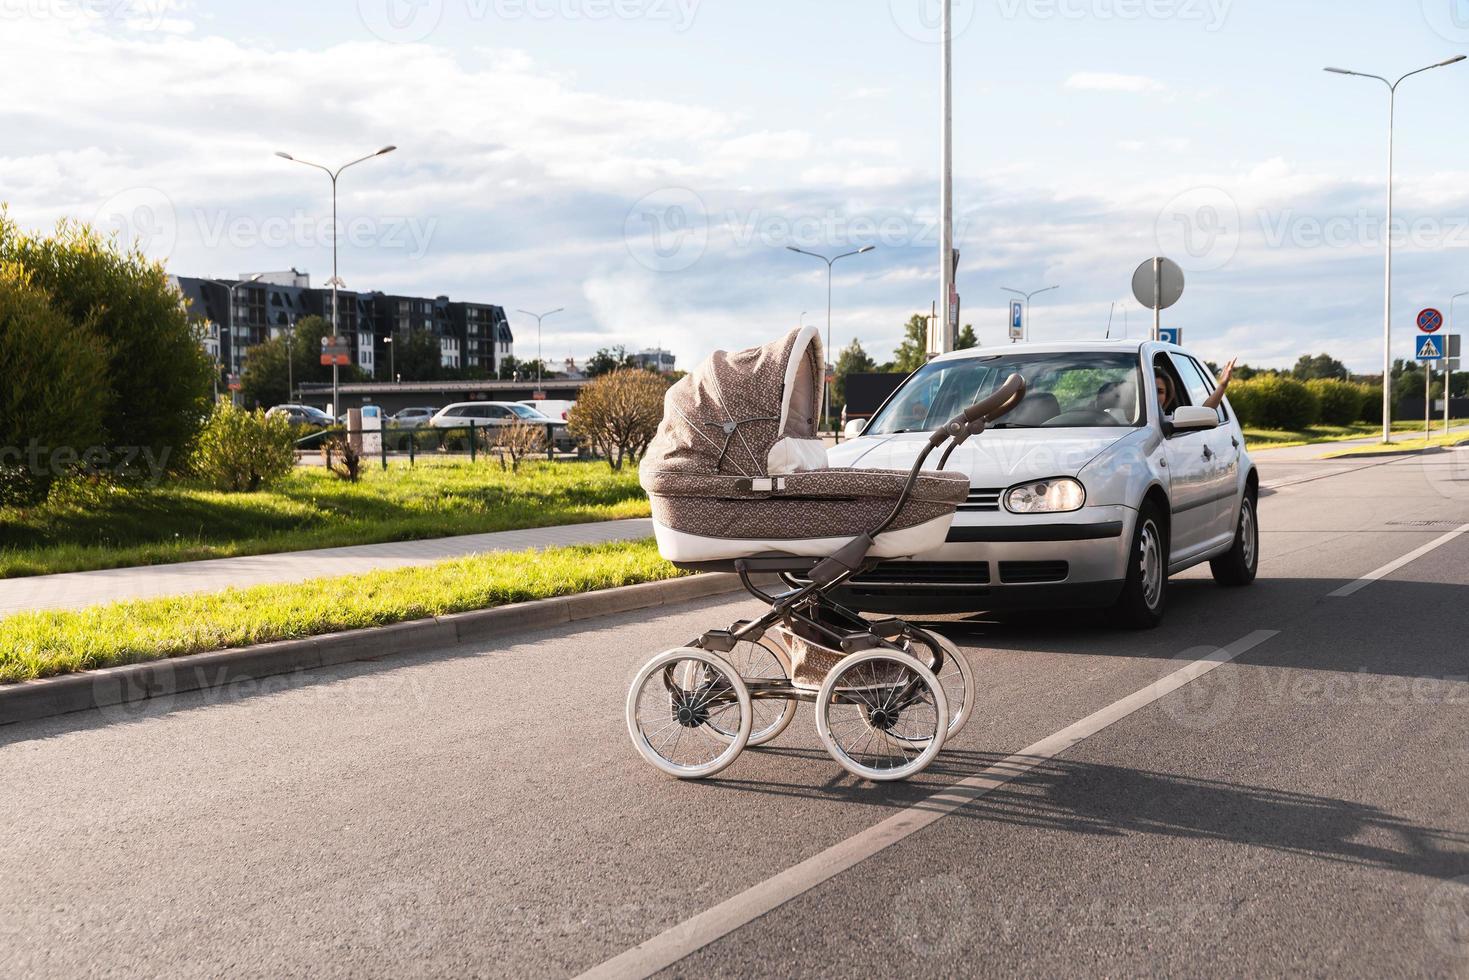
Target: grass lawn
(40, 644)
(106, 527)
(1283, 438)
(1402, 445)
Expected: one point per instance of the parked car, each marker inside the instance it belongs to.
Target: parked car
(489, 414)
(302, 415)
(550, 407)
(411, 418)
(1086, 494)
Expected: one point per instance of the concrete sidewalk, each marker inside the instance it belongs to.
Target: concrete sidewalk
(73, 590)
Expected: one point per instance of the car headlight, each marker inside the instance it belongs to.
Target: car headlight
(1046, 497)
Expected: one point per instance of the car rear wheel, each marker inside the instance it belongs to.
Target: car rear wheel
(1237, 566)
(1145, 590)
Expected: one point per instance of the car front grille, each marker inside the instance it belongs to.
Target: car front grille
(1031, 572)
(956, 574)
(982, 500)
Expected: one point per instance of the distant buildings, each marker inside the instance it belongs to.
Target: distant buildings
(471, 336)
(654, 359)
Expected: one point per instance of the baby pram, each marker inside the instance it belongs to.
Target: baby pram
(738, 481)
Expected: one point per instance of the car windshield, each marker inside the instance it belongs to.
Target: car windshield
(525, 412)
(1068, 390)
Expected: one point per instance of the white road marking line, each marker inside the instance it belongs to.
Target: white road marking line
(691, 935)
(1354, 587)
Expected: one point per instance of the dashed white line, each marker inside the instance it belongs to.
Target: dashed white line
(1351, 588)
(673, 944)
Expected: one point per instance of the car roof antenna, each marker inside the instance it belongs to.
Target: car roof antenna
(1110, 310)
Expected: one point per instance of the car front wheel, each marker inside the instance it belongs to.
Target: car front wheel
(1237, 566)
(1145, 590)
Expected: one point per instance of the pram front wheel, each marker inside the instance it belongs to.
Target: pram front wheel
(882, 715)
(756, 662)
(673, 706)
(955, 677)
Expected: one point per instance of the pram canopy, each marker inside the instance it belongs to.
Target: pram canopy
(738, 468)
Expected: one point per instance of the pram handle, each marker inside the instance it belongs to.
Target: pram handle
(973, 419)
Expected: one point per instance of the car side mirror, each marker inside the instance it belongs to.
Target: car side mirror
(1194, 418)
(854, 428)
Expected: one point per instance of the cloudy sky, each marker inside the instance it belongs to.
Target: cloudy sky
(644, 163)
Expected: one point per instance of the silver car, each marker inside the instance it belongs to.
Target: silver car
(1090, 493)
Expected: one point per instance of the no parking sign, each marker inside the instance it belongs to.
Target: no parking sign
(1430, 320)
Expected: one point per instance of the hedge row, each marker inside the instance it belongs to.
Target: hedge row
(1276, 401)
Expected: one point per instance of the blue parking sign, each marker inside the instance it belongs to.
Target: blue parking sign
(1430, 347)
(1170, 335)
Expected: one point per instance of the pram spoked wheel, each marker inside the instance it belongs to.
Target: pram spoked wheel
(755, 662)
(688, 713)
(955, 677)
(882, 715)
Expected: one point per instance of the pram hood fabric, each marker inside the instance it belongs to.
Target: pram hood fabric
(738, 458)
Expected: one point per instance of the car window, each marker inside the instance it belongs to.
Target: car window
(1071, 389)
(525, 412)
(1208, 377)
(1192, 376)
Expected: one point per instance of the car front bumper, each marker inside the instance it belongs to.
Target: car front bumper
(1002, 561)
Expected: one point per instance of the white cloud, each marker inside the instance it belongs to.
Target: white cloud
(1098, 81)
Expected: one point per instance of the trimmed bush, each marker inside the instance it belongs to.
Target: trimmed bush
(1371, 404)
(1341, 402)
(50, 371)
(241, 451)
(617, 415)
(1275, 402)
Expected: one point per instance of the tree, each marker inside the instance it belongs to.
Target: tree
(509, 366)
(618, 414)
(419, 356)
(266, 382)
(1320, 366)
(852, 360)
(966, 338)
(155, 392)
(912, 353)
(53, 367)
(607, 360)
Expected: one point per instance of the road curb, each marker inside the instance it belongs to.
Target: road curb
(1426, 451)
(114, 686)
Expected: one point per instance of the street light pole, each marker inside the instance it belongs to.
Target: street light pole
(1448, 374)
(392, 357)
(944, 343)
(1027, 296)
(539, 317)
(232, 286)
(829, 263)
(335, 280)
(1392, 91)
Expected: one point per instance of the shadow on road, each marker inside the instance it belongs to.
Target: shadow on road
(1115, 801)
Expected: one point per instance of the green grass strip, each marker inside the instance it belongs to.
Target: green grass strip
(42, 644)
(1402, 445)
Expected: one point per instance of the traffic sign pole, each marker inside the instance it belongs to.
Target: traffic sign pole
(1157, 296)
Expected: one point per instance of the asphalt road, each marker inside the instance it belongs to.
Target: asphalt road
(1300, 808)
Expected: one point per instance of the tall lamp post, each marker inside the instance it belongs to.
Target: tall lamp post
(392, 357)
(1027, 296)
(539, 317)
(829, 263)
(232, 285)
(1447, 374)
(336, 280)
(1392, 91)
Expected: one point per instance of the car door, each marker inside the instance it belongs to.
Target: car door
(1221, 453)
(1191, 519)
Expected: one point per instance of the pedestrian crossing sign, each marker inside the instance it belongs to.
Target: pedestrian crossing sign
(1430, 348)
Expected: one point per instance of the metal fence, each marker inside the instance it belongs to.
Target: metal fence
(435, 441)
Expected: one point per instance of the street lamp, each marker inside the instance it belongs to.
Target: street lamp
(1447, 374)
(539, 317)
(829, 263)
(1027, 296)
(392, 357)
(1392, 91)
(232, 285)
(335, 280)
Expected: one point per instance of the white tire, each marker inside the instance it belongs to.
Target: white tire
(669, 707)
(882, 715)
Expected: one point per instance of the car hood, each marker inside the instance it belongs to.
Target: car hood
(997, 458)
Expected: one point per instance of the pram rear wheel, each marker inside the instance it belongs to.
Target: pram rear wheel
(678, 707)
(955, 677)
(882, 715)
(756, 662)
